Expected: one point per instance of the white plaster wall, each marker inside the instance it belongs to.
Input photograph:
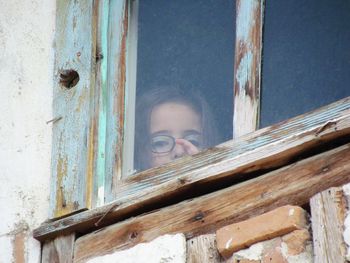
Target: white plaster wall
(26, 63)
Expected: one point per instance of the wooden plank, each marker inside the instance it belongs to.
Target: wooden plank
(294, 184)
(117, 43)
(266, 148)
(74, 50)
(202, 249)
(249, 24)
(327, 217)
(58, 250)
(97, 152)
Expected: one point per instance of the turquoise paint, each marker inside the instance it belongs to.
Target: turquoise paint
(244, 71)
(115, 34)
(102, 110)
(74, 48)
(245, 19)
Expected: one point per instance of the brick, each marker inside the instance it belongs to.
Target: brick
(296, 241)
(275, 223)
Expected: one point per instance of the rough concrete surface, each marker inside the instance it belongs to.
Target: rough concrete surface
(164, 249)
(26, 62)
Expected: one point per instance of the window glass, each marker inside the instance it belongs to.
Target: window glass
(184, 79)
(306, 56)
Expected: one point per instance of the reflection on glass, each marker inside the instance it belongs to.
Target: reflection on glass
(184, 79)
(306, 57)
(172, 123)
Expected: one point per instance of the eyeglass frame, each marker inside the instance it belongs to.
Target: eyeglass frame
(173, 140)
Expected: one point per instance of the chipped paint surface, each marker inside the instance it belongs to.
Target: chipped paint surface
(245, 18)
(167, 248)
(74, 47)
(247, 66)
(244, 71)
(26, 69)
(118, 24)
(346, 233)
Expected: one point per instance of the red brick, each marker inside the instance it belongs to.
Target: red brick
(296, 241)
(278, 222)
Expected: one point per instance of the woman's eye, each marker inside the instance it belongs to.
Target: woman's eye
(160, 144)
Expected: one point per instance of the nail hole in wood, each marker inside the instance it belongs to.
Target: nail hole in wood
(69, 78)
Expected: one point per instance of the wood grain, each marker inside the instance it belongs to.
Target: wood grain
(74, 47)
(327, 217)
(203, 249)
(294, 184)
(58, 250)
(249, 24)
(117, 45)
(266, 148)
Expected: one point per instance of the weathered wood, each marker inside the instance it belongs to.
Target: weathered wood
(203, 249)
(97, 141)
(327, 217)
(294, 184)
(74, 50)
(59, 250)
(266, 148)
(116, 77)
(249, 24)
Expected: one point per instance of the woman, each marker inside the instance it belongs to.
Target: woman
(171, 123)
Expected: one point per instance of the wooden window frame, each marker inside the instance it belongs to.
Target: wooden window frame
(86, 170)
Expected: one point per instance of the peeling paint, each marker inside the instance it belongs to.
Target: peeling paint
(346, 233)
(167, 248)
(243, 73)
(100, 196)
(246, 17)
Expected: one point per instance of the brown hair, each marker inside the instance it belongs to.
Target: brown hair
(155, 97)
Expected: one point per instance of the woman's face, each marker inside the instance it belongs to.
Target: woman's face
(175, 130)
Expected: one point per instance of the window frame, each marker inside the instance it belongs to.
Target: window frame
(96, 179)
(105, 57)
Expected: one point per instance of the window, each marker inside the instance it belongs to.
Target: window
(89, 134)
(184, 60)
(306, 59)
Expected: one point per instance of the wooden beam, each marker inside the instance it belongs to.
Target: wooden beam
(269, 147)
(327, 216)
(117, 48)
(294, 184)
(58, 250)
(249, 24)
(203, 249)
(75, 42)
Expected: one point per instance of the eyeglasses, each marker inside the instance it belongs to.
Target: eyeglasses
(166, 143)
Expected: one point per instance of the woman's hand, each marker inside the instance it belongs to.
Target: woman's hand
(189, 148)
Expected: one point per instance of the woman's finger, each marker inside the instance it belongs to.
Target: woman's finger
(189, 147)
